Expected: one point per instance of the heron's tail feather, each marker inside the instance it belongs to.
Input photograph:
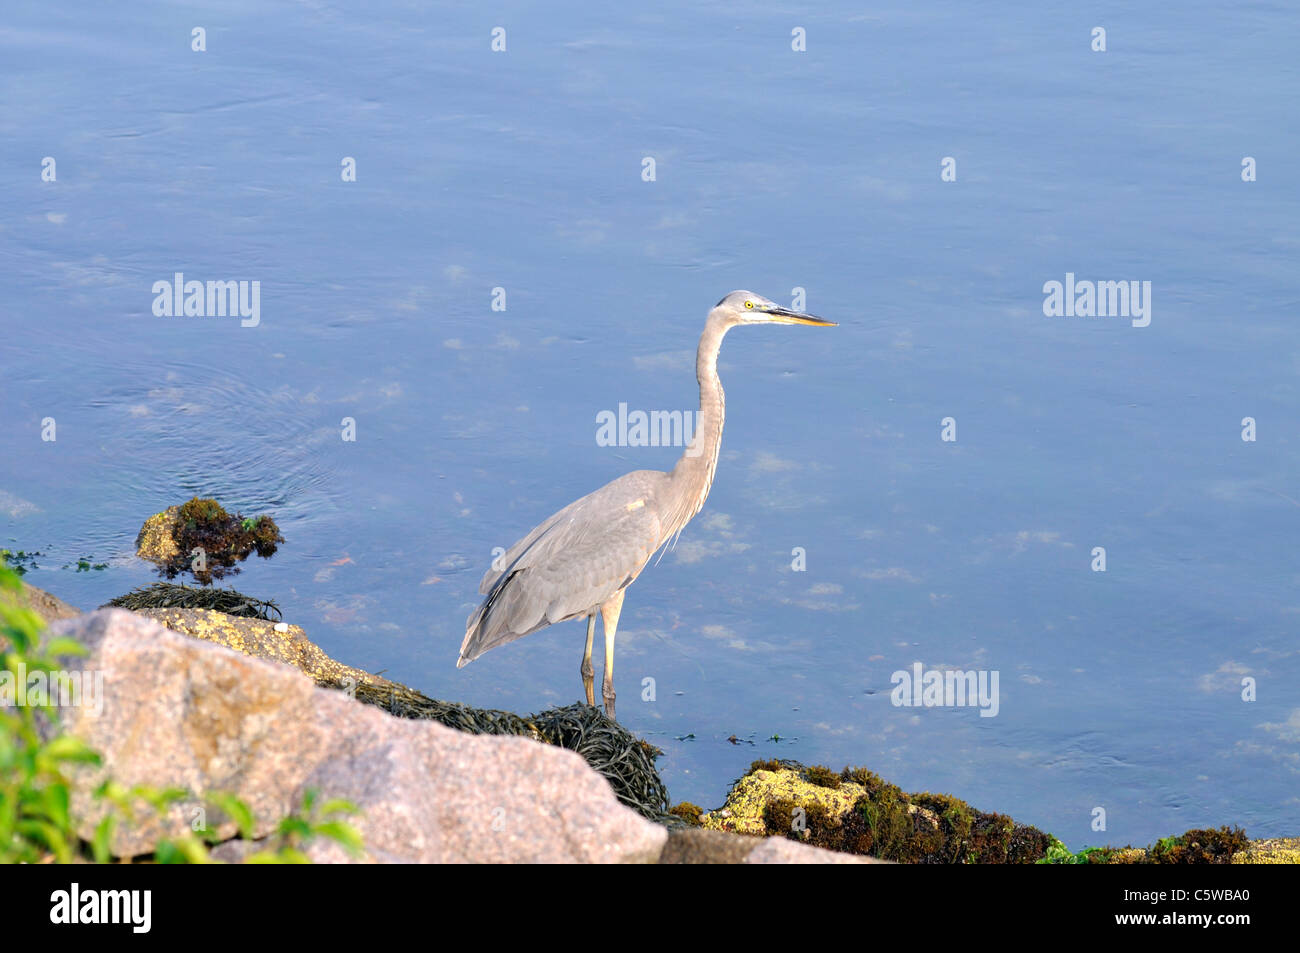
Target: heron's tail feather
(503, 617)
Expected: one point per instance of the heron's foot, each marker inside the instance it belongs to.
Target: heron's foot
(607, 693)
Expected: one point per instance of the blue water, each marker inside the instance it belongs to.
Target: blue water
(774, 170)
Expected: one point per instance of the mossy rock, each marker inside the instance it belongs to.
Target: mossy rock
(169, 538)
(857, 812)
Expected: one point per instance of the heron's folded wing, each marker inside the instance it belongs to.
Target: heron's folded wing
(571, 564)
(587, 513)
(514, 552)
(588, 562)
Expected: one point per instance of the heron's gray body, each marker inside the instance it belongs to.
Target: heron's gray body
(580, 560)
(569, 566)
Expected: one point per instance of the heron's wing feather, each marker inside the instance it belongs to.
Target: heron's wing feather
(570, 564)
(518, 549)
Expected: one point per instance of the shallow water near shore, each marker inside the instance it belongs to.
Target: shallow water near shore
(1120, 690)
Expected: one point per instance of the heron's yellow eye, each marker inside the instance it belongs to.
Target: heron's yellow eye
(749, 304)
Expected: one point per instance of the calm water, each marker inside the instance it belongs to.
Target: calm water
(774, 169)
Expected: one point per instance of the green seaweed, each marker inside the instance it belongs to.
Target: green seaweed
(20, 561)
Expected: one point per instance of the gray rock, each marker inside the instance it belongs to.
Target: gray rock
(692, 845)
(183, 713)
(180, 712)
(782, 850)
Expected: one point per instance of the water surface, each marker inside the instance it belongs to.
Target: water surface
(775, 170)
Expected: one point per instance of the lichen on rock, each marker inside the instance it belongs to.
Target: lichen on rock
(1272, 850)
(156, 540)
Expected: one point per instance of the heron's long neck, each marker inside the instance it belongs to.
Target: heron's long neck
(692, 478)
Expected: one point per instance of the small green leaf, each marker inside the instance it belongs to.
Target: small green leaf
(67, 748)
(65, 646)
(342, 833)
(102, 840)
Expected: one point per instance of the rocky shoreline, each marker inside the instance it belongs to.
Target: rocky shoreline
(234, 706)
(204, 701)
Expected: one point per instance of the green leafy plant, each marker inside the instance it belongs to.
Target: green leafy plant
(315, 819)
(285, 846)
(1058, 853)
(34, 787)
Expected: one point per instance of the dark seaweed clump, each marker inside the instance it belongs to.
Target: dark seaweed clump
(169, 595)
(1213, 846)
(225, 540)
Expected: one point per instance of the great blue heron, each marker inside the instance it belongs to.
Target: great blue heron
(581, 560)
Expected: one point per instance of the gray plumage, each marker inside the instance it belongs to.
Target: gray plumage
(570, 564)
(581, 559)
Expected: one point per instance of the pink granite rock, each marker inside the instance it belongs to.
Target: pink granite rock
(190, 714)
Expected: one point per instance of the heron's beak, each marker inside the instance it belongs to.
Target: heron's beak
(786, 316)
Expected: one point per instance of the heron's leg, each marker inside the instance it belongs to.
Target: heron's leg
(609, 612)
(589, 673)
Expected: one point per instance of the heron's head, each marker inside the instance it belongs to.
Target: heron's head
(745, 307)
